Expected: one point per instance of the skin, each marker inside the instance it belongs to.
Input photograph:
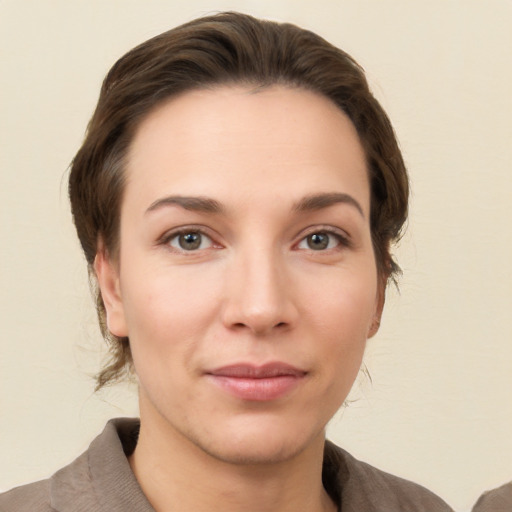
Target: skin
(259, 288)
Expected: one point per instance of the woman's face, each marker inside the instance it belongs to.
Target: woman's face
(246, 279)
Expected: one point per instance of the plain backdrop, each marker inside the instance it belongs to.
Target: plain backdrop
(439, 408)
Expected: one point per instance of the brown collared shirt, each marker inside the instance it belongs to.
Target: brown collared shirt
(101, 480)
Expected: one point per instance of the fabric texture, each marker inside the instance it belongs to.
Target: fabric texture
(497, 500)
(101, 480)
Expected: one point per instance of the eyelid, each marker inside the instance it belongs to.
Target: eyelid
(189, 228)
(343, 237)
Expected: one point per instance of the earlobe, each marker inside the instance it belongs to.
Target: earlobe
(107, 275)
(379, 306)
(374, 327)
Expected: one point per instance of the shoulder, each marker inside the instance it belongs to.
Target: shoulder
(99, 480)
(69, 489)
(497, 500)
(33, 497)
(363, 487)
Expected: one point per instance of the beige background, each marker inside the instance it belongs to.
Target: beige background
(439, 410)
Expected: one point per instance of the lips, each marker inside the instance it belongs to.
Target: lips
(257, 383)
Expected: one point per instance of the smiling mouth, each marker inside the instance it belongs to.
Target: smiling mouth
(257, 383)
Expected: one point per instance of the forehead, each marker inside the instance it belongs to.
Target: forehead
(214, 141)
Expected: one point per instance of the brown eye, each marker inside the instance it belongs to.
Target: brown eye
(190, 241)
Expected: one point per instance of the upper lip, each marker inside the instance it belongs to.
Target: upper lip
(252, 371)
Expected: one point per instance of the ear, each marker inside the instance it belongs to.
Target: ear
(379, 306)
(107, 274)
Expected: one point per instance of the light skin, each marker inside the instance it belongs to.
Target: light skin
(244, 242)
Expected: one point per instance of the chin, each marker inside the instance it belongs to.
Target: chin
(251, 453)
(259, 444)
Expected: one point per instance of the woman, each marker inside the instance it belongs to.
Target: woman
(236, 198)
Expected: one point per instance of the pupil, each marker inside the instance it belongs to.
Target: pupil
(190, 241)
(318, 241)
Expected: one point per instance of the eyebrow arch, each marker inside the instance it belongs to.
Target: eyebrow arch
(197, 204)
(319, 201)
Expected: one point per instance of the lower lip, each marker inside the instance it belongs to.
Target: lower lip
(258, 390)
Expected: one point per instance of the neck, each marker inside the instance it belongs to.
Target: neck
(172, 470)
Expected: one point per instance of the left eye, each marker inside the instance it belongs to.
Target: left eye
(319, 241)
(190, 241)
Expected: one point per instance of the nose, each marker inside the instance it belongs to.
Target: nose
(258, 294)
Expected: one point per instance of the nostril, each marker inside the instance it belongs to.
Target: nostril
(242, 325)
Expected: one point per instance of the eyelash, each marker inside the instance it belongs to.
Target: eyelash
(187, 230)
(342, 239)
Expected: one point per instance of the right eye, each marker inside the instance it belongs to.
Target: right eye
(190, 241)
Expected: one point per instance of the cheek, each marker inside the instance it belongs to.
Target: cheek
(161, 328)
(344, 311)
(166, 310)
(346, 302)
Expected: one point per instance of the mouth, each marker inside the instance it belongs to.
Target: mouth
(257, 383)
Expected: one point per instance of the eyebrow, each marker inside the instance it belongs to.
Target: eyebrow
(319, 201)
(197, 204)
(208, 205)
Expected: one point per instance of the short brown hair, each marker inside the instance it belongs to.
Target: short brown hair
(227, 48)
